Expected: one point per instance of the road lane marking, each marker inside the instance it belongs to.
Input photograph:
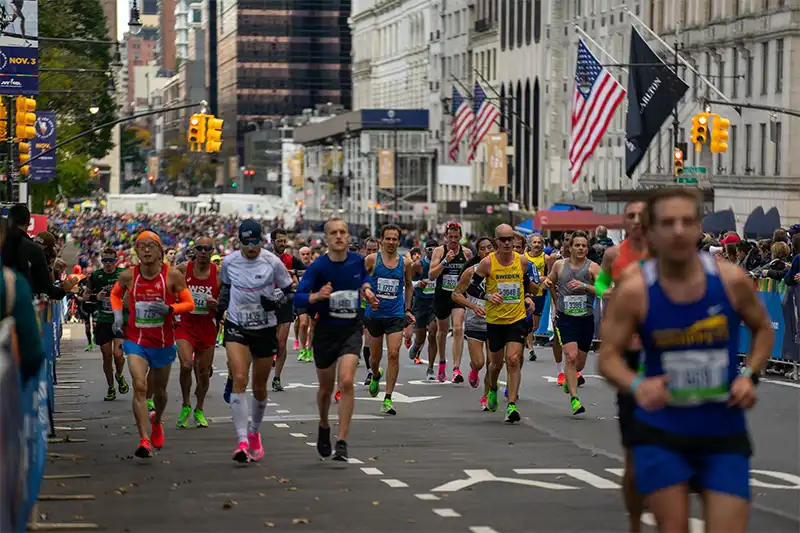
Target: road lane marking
(576, 473)
(281, 411)
(695, 524)
(783, 383)
(372, 471)
(398, 397)
(616, 471)
(299, 435)
(482, 529)
(446, 513)
(354, 461)
(281, 425)
(479, 476)
(395, 483)
(295, 418)
(311, 443)
(428, 497)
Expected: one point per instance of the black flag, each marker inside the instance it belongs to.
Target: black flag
(653, 92)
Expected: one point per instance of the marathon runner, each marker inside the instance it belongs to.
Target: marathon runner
(424, 313)
(473, 298)
(411, 257)
(156, 294)
(558, 354)
(690, 425)
(332, 287)
(573, 279)
(302, 323)
(391, 283)
(539, 259)
(250, 278)
(285, 313)
(98, 291)
(196, 332)
(170, 257)
(616, 259)
(370, 247)
(505, 272)
(447, 263)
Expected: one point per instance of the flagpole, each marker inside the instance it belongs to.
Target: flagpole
(511, 111)
(595, 44)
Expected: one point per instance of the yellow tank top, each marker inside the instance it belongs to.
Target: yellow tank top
(538, 262)
(508, 281)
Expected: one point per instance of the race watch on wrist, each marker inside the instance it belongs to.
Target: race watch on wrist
(748, 372)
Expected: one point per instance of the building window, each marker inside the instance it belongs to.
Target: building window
(779, 66)
(197, 16)
(494, 63)
(748, 148)
(764, 68)
(721, 72)
(708, 71)
(537, 21)
(778, 132)
(748, 84)
(528, 21)
(735, 78)
(511, 21)
(733, 140)
(520, 22)
(503, 24)
(762, 164)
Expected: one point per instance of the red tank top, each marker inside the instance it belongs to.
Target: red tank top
(627, 256)
(146, 328)
(201, 320)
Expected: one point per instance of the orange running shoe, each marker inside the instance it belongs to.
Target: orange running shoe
(561, 378)
(337, 396)
(156, 433)
(144, 450)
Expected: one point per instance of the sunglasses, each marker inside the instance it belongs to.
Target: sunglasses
(505, 239)
(203, 248)
(251, 242)
(109, 260)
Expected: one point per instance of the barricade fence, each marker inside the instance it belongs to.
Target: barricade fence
(27, 419)
(781, 301)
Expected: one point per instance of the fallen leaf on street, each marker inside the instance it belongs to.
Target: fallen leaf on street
(164, 462)
(269, 524)
(284, 480)
(376, 502)
(229, 504)
(411, 461)
(260, 494)
(297, 521)
(291, 489)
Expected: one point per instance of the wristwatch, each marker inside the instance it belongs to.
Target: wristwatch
(748, 372)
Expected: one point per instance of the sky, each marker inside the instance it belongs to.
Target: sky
(123, 14)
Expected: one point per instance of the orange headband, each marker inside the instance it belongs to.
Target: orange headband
(148, 235)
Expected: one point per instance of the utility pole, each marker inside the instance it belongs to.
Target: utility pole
(675, 121)
(212, 58)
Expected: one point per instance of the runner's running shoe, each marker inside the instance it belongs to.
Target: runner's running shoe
(122, 384)
(374, 384)
(240, 454)
(183, 417)
(341, 451)
(484, 407)
(387, 407)
(474, 378)
(200, 419)
(429, 375)
(228, 390)
(296, 345)
(457, 376)
(441, 375)
(111, 394)
(151, 406)
(577, 406)
(276, 384)
(337, 396)
(560, 379)
(512, 415)
(581, 379)
(369, 378)
(144, 450)
(491, 400)
(156, 433)
(256, 450)
(324, 441)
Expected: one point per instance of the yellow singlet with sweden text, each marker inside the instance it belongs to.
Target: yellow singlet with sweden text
(508, 282)
(538, 262)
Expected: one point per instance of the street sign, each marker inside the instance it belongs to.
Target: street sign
(694, 170)
(687, 181)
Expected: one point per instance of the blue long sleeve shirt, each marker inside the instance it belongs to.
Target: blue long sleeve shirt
(346, 277)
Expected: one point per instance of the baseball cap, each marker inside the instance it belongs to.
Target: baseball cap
(431, 243)
(46, 239)
(731, 239)
(249, 231)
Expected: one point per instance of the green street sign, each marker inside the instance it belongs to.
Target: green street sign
(687, 181)
(694, 170)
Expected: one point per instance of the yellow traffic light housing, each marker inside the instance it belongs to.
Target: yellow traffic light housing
(197, 131)
(719, 135)
(26, 118)
(678, 162)
(3, 122)
(214, 134)
(24, 157)
(699, 131)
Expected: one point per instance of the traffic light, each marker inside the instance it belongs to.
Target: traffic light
(719, 135)
(24, 156)
(699, 131)
(214, 134)
(678, 161)
(26, 118)
(249, 173)
(3, 122)
(197, 130)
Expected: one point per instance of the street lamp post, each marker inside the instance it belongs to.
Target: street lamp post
(393, 121)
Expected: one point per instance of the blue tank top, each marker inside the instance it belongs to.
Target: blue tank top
(388, 284)
(697, 346)
(429, 290)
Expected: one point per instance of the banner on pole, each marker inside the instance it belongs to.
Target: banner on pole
(44, 168)
(296, 171)
(19, 47)
(386, 169)
(496, 171)
(653, 92)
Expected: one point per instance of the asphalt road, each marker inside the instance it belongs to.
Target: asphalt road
(441, 465)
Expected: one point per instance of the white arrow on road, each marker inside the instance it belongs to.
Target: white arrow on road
(402, 398)
(300, 385)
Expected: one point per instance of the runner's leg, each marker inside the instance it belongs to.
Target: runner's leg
(347, 371)
(393, 342)
(119, 357)
(108, 363)
(186, 356)
(433, 345)
(458, 338)
(513, 360)
(139, 371)
(283, 339)
(262, 366)
(202, 368)
(670, 507)
(239, 360)
(160, 397)
(725, 513)
(634, 502)
(301, 326)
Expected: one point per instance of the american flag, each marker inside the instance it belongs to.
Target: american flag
(597, 96)
(485, 115)
(461, 122)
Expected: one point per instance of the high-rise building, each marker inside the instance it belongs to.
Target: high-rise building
(189, 18)
(166, 34)
(110, 12)
(141, 50)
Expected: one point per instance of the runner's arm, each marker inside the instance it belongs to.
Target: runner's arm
(303, 292)
(464, 286)
(436, 263)
(531, 283)
(552, 278)
(409, 290)
(753, 313)
(119, 289)
(594, 272)
(603, 280)
(177, 283)
(620, 322)
(369, 264)
(467, 253)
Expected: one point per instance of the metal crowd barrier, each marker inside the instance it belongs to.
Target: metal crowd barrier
(27, 420)
(781, 301)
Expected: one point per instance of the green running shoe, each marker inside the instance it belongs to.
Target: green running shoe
(301, 356)
(111, 395)
(387, 407)
(276, 384)
(512, 415)
(200, 419)
(122, 384)
(183, 418)
(491, 400)
(565, 387)
(577, 406)
(151, 406)
(309, 356)
(374, 384)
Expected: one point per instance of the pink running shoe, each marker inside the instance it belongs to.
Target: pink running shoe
(296, 344)
(241, 454)
(457, 376)
(473, 378)
(441, 376)
(484, 407)
(256, 450)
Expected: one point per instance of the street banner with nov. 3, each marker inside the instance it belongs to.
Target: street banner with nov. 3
(43, 169)
(19, 47)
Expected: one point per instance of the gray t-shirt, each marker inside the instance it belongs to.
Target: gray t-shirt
(249, 280)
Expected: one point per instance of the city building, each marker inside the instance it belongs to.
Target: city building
(189, 18)
(166, 48)
(140, 51)
(112, 160)
(276, 62)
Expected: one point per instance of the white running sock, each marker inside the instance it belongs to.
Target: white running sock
(559, 368)
(259, 406)
(239, 411)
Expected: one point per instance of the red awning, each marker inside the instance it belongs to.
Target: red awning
(576, 219)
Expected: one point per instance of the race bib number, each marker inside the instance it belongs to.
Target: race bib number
(510, 291)
(430, 288)
(387, 289)
(449, 282)
(697, 376)
(344, 305)
(105, 305)
(252, 316)
(147, 316)
(575, 305)
(200, 303)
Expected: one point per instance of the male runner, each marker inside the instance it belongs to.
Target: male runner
(370, 247)
(285, 313)
(302, 341)
(446, 265)
(98, 290)
(539, 259)
(411, 257)
(573, 279)
(391, 283)
(156, 294)
(424, 312)
(250, 278)
(505, 272)
(197, 331)
(690, 425)
(332, 287)
(616, 259)
(558, 354)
